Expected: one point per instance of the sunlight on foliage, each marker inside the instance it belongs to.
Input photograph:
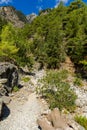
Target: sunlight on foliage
(25, 79)
(7, 50)
(56, 91)
(78, 81)
(82, 120)
(15, 89)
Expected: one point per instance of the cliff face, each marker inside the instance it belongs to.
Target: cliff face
(31, 17)
(9, 13)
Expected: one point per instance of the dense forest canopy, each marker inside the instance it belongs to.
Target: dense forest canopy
(53, 34)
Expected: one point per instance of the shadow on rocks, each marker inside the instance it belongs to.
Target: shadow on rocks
(21, 71)
(20, 86)
(39, 128)
(5, 112)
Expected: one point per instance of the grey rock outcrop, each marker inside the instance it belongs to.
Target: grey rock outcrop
(9, 13)
(8, 71)
(31, 17)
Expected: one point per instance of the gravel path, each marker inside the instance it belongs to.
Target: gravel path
(24, 116)
(24, 112)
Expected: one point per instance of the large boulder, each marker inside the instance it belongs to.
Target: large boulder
(10, 72)
(44, 124)
(54, 120)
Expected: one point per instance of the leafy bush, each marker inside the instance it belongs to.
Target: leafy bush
(15, 89)
(25, 79)
(7, 44)
(56, 91)
(82, 120)
(14, 46)
(78, 81)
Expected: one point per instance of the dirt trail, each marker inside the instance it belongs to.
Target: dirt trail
(25, 108)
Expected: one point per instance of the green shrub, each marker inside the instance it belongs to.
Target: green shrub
(56, 91)
(25, 79)
(15, 89)
(82, 120)
(78, 81)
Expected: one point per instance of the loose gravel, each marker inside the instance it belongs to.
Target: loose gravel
(25, 108)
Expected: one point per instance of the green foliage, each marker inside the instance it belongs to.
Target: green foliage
(84, 62)
(7, 50)
(15, 89)
(8, 33)
(78, 81)
(50, 37)
(14, 46)
(56, 91)
(44, 11)
(26, 79)
(7, 44)
(82, 120)
(51, 44)
(3, 22)
(24, 55)
(48, 40)
(75, 29)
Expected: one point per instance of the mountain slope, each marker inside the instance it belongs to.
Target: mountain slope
(9, 13)
(31, 17)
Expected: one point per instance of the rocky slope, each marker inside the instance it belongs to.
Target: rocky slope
(9, 13)
(26, 107)
(81, 91)
(31, 17)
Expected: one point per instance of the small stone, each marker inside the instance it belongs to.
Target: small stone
(11, 94)
(81, 128)
(3, 81)
(78, 103)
